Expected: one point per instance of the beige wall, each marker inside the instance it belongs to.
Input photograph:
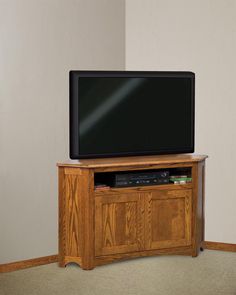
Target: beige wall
(199, 36)
(40, 41)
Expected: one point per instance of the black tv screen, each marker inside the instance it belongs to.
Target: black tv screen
(131, 113)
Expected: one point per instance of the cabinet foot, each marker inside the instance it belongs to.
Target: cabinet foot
(62, 264)
(195, 253)
(87, 268)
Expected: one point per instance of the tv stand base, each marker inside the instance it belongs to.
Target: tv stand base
(100, 226)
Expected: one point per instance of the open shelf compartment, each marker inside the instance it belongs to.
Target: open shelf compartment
(142, 178)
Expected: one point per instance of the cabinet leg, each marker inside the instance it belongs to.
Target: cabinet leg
(195, 252)
(62, 264)
(87, 264)
(87, 267)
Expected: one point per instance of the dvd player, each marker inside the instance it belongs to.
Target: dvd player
(141, 178)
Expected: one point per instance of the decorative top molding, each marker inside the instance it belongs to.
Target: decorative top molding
(133, 161)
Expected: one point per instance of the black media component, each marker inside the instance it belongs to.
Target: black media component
(140, 178)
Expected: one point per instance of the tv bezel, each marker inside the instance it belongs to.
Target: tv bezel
(74, 104)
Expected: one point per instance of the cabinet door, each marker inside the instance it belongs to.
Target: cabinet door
(119, 223)
(168, 219)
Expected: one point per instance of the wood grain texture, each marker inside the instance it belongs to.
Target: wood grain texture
(61, 217)
(101, 260)
(69, 213)
(87, 219)
(219, 246)
(194, 205)
(148, 188)
(27, 263)
(75, 219)
(100, 226)
(168, 219)
(202, 216)
(142, 167)
(119, 224)
(74, 259)
(198, 207)
(73, 207)
(134, 161)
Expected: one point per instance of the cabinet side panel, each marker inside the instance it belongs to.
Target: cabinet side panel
(198, 207)
(62, 217)
(72, 212)
(201, 201)
(87, 219)
(76, 210)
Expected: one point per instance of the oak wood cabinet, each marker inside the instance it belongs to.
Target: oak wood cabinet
(100, 226)
(168, 222)
(119, 224)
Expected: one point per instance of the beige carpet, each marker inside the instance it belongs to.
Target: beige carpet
(211, 273)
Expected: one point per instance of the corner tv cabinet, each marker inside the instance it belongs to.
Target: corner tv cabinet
(99, 226)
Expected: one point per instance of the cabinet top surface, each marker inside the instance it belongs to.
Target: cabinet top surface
(133, 161)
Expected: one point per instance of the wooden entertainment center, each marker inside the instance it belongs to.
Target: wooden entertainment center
(99, 226)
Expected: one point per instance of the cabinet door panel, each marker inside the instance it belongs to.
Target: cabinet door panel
(119, 223)
(168, 219)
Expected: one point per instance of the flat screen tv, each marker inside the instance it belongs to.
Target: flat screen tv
(128, 113)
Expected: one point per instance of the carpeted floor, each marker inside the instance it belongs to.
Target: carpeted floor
(212, 273)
